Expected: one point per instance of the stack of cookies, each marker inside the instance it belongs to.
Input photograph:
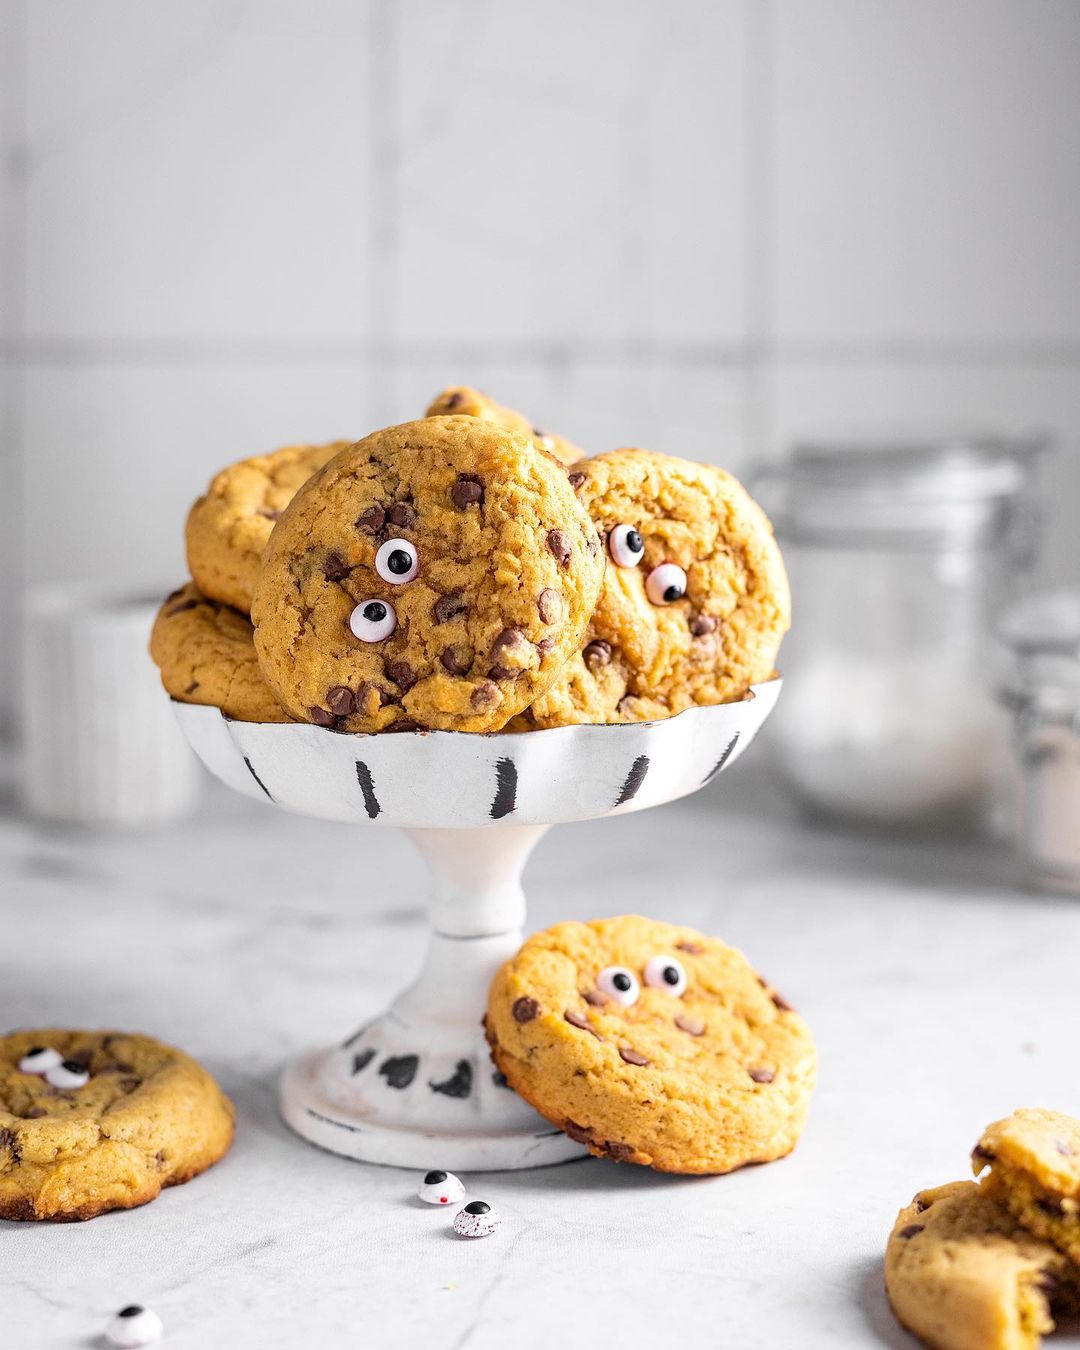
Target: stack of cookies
(987, 1265)
(471, 572)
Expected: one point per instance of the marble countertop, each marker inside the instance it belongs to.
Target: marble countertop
(941, 995)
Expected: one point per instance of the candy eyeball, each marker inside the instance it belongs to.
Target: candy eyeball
(666, 584)
(40, 1059)
(69, 1073)
(620, 983)
(665, 972)
(441, 1188)
(134, 1326)
(373, 620)
(397, 561)
(476, 1220)
(626, 546)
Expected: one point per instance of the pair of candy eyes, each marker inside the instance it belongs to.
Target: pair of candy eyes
(374, 620)
(57, 1071)
(664, 584)
(661, 972)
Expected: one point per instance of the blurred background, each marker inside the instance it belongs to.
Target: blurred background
(711, 227)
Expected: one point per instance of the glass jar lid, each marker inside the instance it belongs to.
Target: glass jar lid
(911, 486)
(1042, 638)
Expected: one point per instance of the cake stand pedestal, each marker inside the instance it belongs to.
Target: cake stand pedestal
(415, 1086)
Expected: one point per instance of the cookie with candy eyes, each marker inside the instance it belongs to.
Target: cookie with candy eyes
(436, 574)
(652, 1044)
(229, 525)
(462, 401)
(95, 1120)
(695, 601)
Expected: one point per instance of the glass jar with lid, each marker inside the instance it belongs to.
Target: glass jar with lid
(1042, 687)
(902, 554)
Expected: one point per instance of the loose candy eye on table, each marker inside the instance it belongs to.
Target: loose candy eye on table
(441, 1188)
(134, 1326)
(476, 1220)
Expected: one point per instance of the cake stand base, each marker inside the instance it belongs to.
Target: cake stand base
(416, 1087)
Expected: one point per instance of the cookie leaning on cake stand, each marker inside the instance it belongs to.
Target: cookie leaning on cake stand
(416, 1082)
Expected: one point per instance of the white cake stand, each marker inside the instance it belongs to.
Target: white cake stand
(415, 1086)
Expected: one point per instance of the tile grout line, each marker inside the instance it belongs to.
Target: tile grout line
(383, 213)
(758, 252)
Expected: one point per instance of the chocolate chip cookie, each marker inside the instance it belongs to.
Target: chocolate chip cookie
(695, 601)
(1034, 1161)
(463, 401)
(94, 1120)
(206, 654)
(652, 1044)
(435, 575)
(962, 1274)
(227, 529)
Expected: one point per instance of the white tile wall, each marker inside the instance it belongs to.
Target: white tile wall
(704, 226)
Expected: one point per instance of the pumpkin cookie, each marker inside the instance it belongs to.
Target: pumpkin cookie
(436, 574)
(227, 529)
(1034, 1160)
(962, 1274)
(465, 402)
(652, 1044)
(94, 1120)
(695, 601)
(206, 654)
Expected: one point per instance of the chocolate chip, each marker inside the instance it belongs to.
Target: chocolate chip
(372, 520)
(576, 479)
(779, 1001)
(632, 1056)
(761, 1075)
(447, 606)
(502, 673)
(545, 645)
(8, 1141)
(401, 673)
(597, 655)
(402, 515)
(192, 687)
(580, 1021)
(455, 400)
(79, 1059)
(184, 604)
(457, 659)
(701, 624)
(581, 1134)
(911, 1230)
(321, 717)
(466, 491)
(159, 1159)
(594, 998)
(549, 605)
(559, 546)
(335, 568)
(694, 948)
(340, 701)
(619, 1152)
(983, 1154)
(484, 694)
(129, 1084)
(693, 1026)
(525, 1009)
(1050, 1205)
(511, 642)
(269, 514)
(403, 724)
(35, 1113)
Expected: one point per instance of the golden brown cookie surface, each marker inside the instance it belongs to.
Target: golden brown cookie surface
(695, 601)
(436, 574)
(227, 529)
(147, 1116)
(1034, 1160)
(206, 654)
(462, 401)
(962, 1274)
(652, 1044)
